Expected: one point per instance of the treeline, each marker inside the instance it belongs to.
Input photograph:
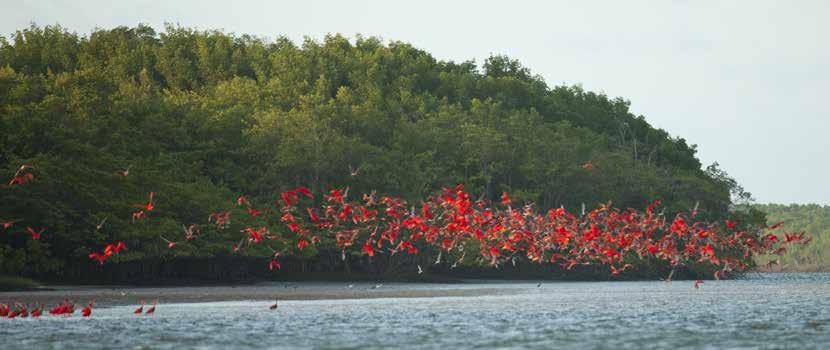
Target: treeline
(813, 219)
(200, 117)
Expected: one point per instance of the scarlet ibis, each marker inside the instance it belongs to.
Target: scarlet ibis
(140, 309)
(22, 176)
(149, 206)
(170, 244)
(101, 258)
(776, 225)
(8, 223)
(274, 307)
(274, 264)
(87, 310)
(152, 309)
(37, 312)
(35, 234)
(138, 215)
(253, 212)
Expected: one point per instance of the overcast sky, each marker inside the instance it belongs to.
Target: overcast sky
(741, 79)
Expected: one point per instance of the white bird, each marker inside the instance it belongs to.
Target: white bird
(420, 270)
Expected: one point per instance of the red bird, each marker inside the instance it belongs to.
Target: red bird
(35, 235)
(170, 244)
(138, 215)
(505, 199)
(312, 215)
(37, 312)
(140, 309)
(21, 178)
(100, 257)
(243, 199)
(588, 165)
(9, 223)
(152, 309)
(87, 310)
(698, 283)
(254, 212)
(275, 306)
(304, 191)
(149, 206)
(616, 271)
(274, 264)
(777, 225)
(369, 249)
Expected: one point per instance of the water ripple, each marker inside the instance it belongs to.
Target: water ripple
(766, 311)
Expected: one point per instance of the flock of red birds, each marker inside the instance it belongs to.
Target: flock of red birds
(456, 224)
(65, 308)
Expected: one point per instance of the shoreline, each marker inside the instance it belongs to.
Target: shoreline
(132, 295)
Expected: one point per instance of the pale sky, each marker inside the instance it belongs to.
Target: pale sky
(741, 79)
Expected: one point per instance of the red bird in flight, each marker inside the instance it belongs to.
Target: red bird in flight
(9, 223)
(149, 206)
(35, 234)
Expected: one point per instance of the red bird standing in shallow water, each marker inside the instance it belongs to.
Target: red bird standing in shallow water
(87, 310)
(140, 309)
(152, 309)
(37, 312)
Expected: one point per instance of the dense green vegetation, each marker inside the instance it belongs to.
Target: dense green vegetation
(202, 116)
(813, 219)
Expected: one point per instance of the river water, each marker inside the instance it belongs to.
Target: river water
(763, 311)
